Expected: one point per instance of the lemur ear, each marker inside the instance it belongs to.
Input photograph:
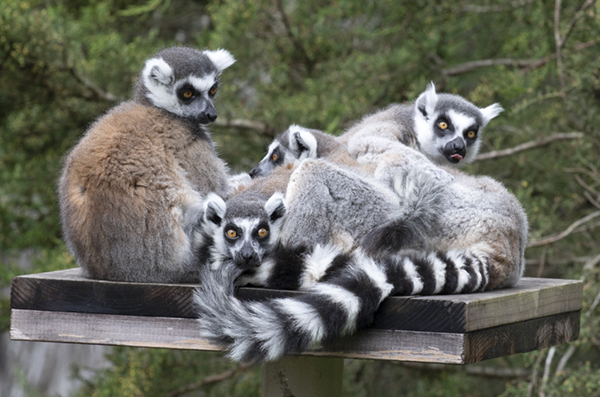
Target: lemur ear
(426, 102)
(490, 112)
(302, 140)
(214, 209)
(275, 207)
(222, 59)
(158, 71)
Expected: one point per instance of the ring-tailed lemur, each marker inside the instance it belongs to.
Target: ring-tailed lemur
(444, 127)
(132, 189)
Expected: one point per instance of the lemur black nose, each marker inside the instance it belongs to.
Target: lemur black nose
(253, 172)
(212, 116)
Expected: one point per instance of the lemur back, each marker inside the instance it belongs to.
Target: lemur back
(131, 190)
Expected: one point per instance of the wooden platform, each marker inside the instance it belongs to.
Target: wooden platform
(62, 306)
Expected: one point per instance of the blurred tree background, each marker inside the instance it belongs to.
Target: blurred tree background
(323, 65)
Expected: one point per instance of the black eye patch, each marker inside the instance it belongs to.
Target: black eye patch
(276, 156)
(186, 93)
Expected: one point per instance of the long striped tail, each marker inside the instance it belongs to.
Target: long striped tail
(347, 300)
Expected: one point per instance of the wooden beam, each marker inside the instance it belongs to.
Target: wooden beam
(68, 291)
(182, 333)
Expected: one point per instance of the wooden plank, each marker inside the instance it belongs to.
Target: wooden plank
(303, 377)
(68, 291)
(532, 298)
(181, 333)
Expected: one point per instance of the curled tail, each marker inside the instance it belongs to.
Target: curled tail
(420, 196)
(341, 304)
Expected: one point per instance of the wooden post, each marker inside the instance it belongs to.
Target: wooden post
(301, 376)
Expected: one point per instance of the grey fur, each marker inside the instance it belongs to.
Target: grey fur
(450, 233)
(131, 191)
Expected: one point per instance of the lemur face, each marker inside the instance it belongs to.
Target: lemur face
(294, 144)
(245, 229)
(448, 126)
(184, 81)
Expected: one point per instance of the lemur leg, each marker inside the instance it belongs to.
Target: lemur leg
(326, 201)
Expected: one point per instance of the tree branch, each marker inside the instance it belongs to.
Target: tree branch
(564, 359)
(546, 375)
(108, 96)
(208, 380)
(487, 372)
(495, 8)
(295, 41)
(470, 66)
(246, 124)
(527, 64)
(534, 374)
(594, 305)
(528, 145)
(563, 234)
(576, 17)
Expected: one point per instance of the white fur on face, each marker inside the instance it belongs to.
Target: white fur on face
(159, 79)
(202, 84)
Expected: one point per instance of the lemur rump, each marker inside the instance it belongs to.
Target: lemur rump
(131, 191)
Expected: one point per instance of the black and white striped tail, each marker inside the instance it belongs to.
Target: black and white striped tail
(265, 331)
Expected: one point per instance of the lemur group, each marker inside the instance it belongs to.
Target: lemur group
(349, 220)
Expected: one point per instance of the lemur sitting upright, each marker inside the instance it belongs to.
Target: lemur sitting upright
(132, 189)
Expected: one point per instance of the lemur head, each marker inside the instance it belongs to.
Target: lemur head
(295, 143)
(448, 126)
(183, 81)
(245, 229)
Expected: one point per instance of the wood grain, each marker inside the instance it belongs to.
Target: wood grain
(68, 291)
(182, 333)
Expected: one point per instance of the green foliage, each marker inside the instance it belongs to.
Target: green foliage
(322, 65)
(160, 372)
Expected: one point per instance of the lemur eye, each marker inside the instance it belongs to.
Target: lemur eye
(274, 157)
(213, 90)
(188, 94)
(443, 125)
(471, 134)
(262, 232)
(231, 233)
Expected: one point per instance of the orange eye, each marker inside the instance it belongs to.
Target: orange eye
(443, 125)
(275, 157)
(213, 91)
(187, 94)
(231, 233)
(262, 232)
(471, 134)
